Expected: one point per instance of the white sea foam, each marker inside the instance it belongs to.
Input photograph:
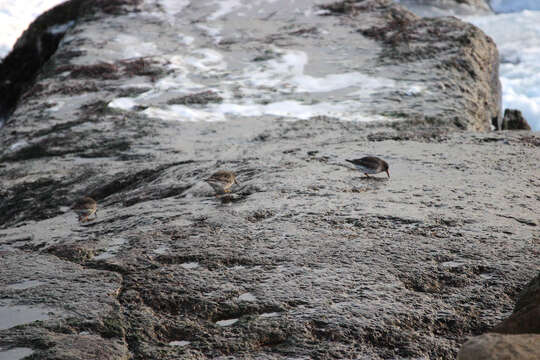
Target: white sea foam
(224, 7)
(288, 70)
(206, 60)
(123, 103)
(134, 46)
(174, 7)
(213, 32)
(253, 91)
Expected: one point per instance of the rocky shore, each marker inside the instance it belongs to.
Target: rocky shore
(137, 102)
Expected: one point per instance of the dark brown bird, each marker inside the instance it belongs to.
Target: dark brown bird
(370, 165)
(84, 208)
(222, 181)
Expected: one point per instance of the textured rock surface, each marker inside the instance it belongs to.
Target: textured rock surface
(306, 258)
(524, 323)
(501, 347)
(35, 46)
(514, 120)
(526, 316)
(429, 48)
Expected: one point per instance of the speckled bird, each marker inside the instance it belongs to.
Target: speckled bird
(370, 165)
(84, 208)
(222, 181)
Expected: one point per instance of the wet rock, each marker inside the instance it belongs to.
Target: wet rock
(85, 346)
(58, 309)
(305, 257)
(198, 98)
(71, 252)
(497, 346)
(411, 40)
(523, 324)
(39, 42)
(514, 120)
(526, 316)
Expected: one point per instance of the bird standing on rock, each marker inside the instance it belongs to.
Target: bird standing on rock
(84, 208)
(222, 181)
(370, 165)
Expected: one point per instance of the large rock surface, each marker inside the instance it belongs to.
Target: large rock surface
(523, 325)
(501, 347)
(526, 316)
(513, 120)
(306, 259)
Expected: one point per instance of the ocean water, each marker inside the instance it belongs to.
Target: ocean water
(516, 31)
(515, 28)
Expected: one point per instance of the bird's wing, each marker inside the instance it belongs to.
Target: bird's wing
(361, 161)
(219, 176)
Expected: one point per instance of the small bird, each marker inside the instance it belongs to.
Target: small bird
(85, 207)
(370, 165)
(222, 181)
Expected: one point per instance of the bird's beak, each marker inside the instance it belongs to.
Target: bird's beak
(387, 173)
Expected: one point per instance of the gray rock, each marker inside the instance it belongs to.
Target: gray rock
(306, 258)
(514, 120)
(526, 316)
(524, 324)
(501, 347)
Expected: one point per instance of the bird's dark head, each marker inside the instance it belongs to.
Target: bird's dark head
(385, 168)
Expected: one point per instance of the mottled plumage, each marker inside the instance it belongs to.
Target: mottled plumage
(222, 181)
(370, 165)
(84, 208)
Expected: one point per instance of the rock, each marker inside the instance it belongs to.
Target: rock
(514, 120)
(306, 258)
(40, 41)
(526, 316)
(523, 324)
(501, 347)
(414, 43)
